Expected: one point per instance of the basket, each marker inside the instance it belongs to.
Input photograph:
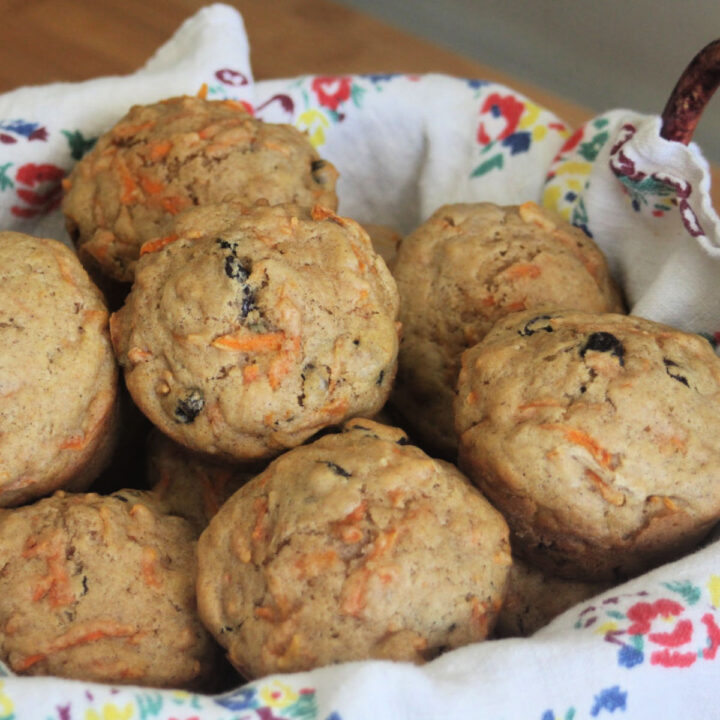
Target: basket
(405, 145)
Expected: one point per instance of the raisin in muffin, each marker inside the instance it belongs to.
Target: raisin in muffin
(58, 376)
(256, 328)
(164, 157)
(102, 589)
(596, 437)
(355, 546)
(461, 270)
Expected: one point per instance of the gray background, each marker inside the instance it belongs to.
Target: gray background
(602, 54)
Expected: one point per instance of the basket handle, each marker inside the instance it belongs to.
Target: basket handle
(691, 94)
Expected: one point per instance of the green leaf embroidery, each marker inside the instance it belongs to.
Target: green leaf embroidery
(5, 181)
(691, 593)
(79, 144)
(495, 162)
(589, 150)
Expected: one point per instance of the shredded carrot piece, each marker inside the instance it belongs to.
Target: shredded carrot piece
(261, 507)
(581, 438)
(250, 373)
(478, 616)
(28, 662)
(530, 212)
(150, 186)
(154, 245)
(203, 91)
(210, 131)
(265, 613)
(357, 514)
(520, 270)
(64, 270)
(384, 542)
(78, 636)
(396, 497)
(488, 301)
(138, 355)
(276, 147)
(320, 212)
(313, 564)
(174, 204)
(122, 131)
(354, 593)
(279, 368)
(56, 584)
(351, 534)
(516, 306)
(66, 184)
(149, 564)
(614, 497)
(159, 150)
(75, 442)
(335, 408)
(266, 342)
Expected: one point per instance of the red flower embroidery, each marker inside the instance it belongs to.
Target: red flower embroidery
(502, 115)
(228, 76)
(642, 614)
(38, 188)
(331, 90)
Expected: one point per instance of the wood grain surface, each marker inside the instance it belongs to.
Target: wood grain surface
(44, 41)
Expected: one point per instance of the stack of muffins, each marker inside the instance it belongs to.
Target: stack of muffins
(259, 334)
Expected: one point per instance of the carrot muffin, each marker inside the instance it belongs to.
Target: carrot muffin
(596, 437)
(461, 270)
(162, 158)
(102, 589)
(534, 598)
(190, 485)
(385, 240)
(256, 328)
(58, 376)
(355, 546)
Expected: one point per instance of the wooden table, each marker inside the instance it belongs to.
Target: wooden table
(48, 40)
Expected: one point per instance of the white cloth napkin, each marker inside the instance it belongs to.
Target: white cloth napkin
(404, 145)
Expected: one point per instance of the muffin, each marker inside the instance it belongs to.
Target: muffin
(101, 589)
(461, 270)
(58, 376)
(190, 485)
(355, 546)
(165, 157)
(595, 436)
(255, 329)
(534, 598)
(385, 240)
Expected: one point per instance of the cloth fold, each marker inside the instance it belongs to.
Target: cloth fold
(404, 145)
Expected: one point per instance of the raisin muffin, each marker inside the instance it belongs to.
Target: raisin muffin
(58, 376)
(461, 270)
(534, 598)
(385, 240)
(190, 485)
(596, 437)
(102, 589)
(162, 158)
(256, 328)
(355, 546)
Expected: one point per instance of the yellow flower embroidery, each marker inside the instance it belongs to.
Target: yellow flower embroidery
(314, 123)
(714, 588)
(6, 704)
(110, 711)
(278, 695)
